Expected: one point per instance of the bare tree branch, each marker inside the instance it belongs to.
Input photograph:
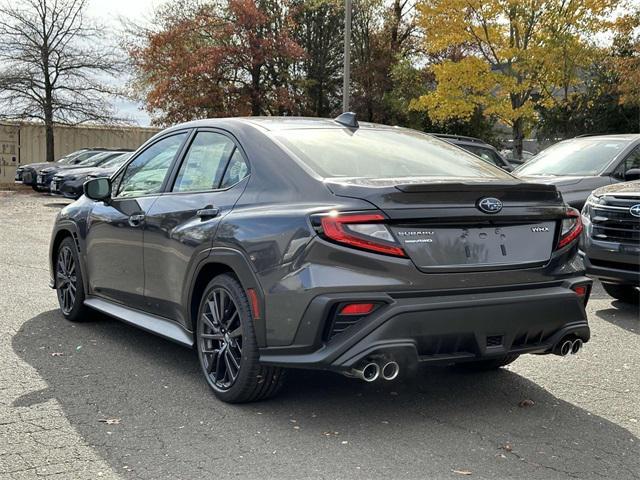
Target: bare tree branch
(53, 65)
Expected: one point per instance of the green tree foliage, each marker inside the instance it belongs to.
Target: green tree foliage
(450, 66)
(319, 30)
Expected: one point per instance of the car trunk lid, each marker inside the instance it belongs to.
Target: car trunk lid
(441, 225)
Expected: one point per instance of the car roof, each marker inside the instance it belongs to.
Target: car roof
(618, 136)
(277, 123)
(463, 140)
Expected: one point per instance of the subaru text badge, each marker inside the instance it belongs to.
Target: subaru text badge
(489, 205)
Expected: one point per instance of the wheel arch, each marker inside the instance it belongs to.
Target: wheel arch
(62, 231)
(220, 261)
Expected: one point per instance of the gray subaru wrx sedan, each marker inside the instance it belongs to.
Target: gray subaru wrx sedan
(273, 243)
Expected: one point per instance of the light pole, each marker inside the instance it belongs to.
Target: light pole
(347, 56)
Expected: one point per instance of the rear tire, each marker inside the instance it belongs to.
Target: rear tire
(484, 365)
(227, 347)
(69, 282)
(624, 293)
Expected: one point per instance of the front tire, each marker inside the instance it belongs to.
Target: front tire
(624, 293)
(68, 281)
(227, 347)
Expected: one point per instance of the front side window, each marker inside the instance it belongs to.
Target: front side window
(579, 157)
(632, 161)
(204, 163)
(382, 153)
(146, 173)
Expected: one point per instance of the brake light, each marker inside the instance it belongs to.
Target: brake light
(571, 228)
(581, 290)
(365, 231)
(357, 309)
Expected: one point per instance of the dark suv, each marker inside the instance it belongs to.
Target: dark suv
(611, 239)
(479, 148)
(327, 244)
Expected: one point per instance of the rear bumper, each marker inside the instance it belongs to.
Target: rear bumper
(440, 328)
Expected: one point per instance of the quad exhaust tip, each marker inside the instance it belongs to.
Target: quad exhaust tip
(372, 371)
(390, 370)
(369, 372)
(576, 346)
(568, 346)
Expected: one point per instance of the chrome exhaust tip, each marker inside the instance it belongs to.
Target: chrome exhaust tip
(369, 372)
(576, 346)
(390, 370)
(565, 348)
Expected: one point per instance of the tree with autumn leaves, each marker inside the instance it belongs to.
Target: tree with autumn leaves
(269, 57)
(518, 55)
(441, 65)
(218, 59)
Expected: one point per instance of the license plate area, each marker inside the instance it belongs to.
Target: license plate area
(484, 247)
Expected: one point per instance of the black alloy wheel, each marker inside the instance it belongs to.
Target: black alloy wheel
(220, 337)
(68, 281)
(227, 347)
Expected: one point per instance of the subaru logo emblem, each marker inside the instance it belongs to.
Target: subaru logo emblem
(635, 210)
(489, 205)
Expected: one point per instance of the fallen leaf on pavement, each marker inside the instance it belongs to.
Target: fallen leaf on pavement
(526, 403)
(110, 421)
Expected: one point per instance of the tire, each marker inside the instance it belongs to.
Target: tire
(484, 365)
(69, 282)
(624, 293)
(236, 375)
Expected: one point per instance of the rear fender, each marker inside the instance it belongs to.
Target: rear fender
(237, 262)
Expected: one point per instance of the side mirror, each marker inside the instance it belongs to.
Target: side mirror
(98, 188)
(632, 174)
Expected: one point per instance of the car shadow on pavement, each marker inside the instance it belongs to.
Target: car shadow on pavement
(56, 204)
(623, 315)
(141, 403)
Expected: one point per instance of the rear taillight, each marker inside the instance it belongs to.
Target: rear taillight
(357, 308)
(366, 231)
(582, 291)
(571, 228)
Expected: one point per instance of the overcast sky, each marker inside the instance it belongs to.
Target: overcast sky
(109, 13)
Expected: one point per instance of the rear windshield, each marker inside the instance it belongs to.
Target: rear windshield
(371, 153)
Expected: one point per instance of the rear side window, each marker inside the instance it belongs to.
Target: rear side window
(236, 170)
(204, 163)
(484, 153)
(383, 153)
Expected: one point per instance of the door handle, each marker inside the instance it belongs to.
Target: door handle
(208, 212)
(136, 220)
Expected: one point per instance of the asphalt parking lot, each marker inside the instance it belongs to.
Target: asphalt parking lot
(101, 399)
